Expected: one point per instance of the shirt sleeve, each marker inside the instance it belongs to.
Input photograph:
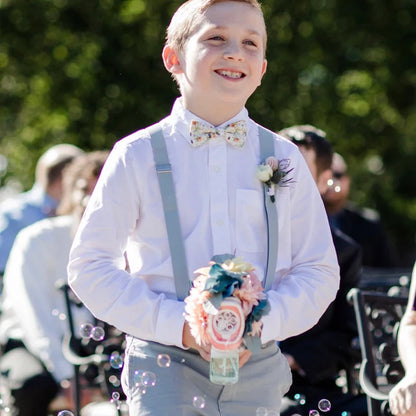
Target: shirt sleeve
(96, 267)
(308, 283)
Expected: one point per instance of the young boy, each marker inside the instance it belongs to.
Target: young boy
(215, 50)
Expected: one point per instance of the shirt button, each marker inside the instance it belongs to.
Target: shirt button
(220, 223)
(216, 168)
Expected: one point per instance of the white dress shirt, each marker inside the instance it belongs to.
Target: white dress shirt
(32, 306)
(221, 209)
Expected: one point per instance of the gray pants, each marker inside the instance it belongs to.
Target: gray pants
(184, 389)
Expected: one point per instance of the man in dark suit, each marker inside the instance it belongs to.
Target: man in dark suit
(317, 356)
(361, 224)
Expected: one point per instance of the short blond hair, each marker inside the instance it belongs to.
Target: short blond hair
(187, 17)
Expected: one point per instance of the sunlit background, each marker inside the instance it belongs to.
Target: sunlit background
(90, 72)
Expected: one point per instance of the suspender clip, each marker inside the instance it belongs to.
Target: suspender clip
(164, 168)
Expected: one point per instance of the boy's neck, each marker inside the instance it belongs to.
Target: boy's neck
(214, 114)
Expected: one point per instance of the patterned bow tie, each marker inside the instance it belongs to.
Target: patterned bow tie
(234, 133)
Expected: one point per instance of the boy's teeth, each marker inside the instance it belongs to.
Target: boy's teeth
(231, 74)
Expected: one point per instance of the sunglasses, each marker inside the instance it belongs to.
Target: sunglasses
(338, 175)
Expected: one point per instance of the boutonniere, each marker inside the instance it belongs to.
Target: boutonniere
(274, 172)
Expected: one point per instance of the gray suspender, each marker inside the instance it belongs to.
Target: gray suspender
(266, 150)
(170, 208)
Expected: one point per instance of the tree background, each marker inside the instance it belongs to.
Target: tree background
(90, 72)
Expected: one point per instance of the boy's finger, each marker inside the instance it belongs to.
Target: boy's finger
(244, 357)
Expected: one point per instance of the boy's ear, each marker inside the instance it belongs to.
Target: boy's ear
(263, 70)
(171, 60)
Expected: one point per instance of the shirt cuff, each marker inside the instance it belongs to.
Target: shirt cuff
(170, 322)
(269, 330)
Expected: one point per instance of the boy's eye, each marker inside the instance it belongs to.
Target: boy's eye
(250, 43)
(217, 37)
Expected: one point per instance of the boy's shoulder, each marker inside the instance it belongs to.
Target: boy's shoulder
(286, 143)
(139, 136)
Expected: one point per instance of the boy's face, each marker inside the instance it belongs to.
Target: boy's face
(223, 60)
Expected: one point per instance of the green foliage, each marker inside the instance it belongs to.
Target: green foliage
(90, 72)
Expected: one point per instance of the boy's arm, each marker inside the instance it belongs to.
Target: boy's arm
(96, 270)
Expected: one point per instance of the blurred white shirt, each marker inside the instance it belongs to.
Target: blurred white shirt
(33, 309)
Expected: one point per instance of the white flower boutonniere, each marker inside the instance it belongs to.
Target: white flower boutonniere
(274, 172)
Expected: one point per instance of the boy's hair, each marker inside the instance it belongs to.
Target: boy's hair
(187, 17)
(311, 137)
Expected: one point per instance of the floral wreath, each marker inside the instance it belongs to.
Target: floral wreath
(226, 276)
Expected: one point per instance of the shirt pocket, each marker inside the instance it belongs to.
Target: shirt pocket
(250, 220)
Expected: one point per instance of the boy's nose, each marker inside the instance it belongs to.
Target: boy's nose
(233, 51)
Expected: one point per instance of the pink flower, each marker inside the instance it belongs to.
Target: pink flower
(250, 293)
(196, 315)
(272, 162)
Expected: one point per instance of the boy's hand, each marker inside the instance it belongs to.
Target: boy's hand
(188, 341)
(244, 357)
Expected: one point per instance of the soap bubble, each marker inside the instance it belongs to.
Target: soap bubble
(143, 380)
(324, 405)
(65, 413)
(114, 380)
(261, 411)
(148, 379)
(313, 412)
(300, 398)
(198, 402)
(163, 360)
(116, 361)
(97, 333)
(85, 330)
(137, 378)
(115, 398)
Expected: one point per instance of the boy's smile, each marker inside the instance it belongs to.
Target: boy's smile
(222, 62)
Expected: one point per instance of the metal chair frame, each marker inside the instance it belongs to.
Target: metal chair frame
(378, 317)
(99, 359)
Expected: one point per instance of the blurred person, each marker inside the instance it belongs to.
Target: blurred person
(317, 356)
(402, 397)
(31, 332)
(39, 202)
(363, 225)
